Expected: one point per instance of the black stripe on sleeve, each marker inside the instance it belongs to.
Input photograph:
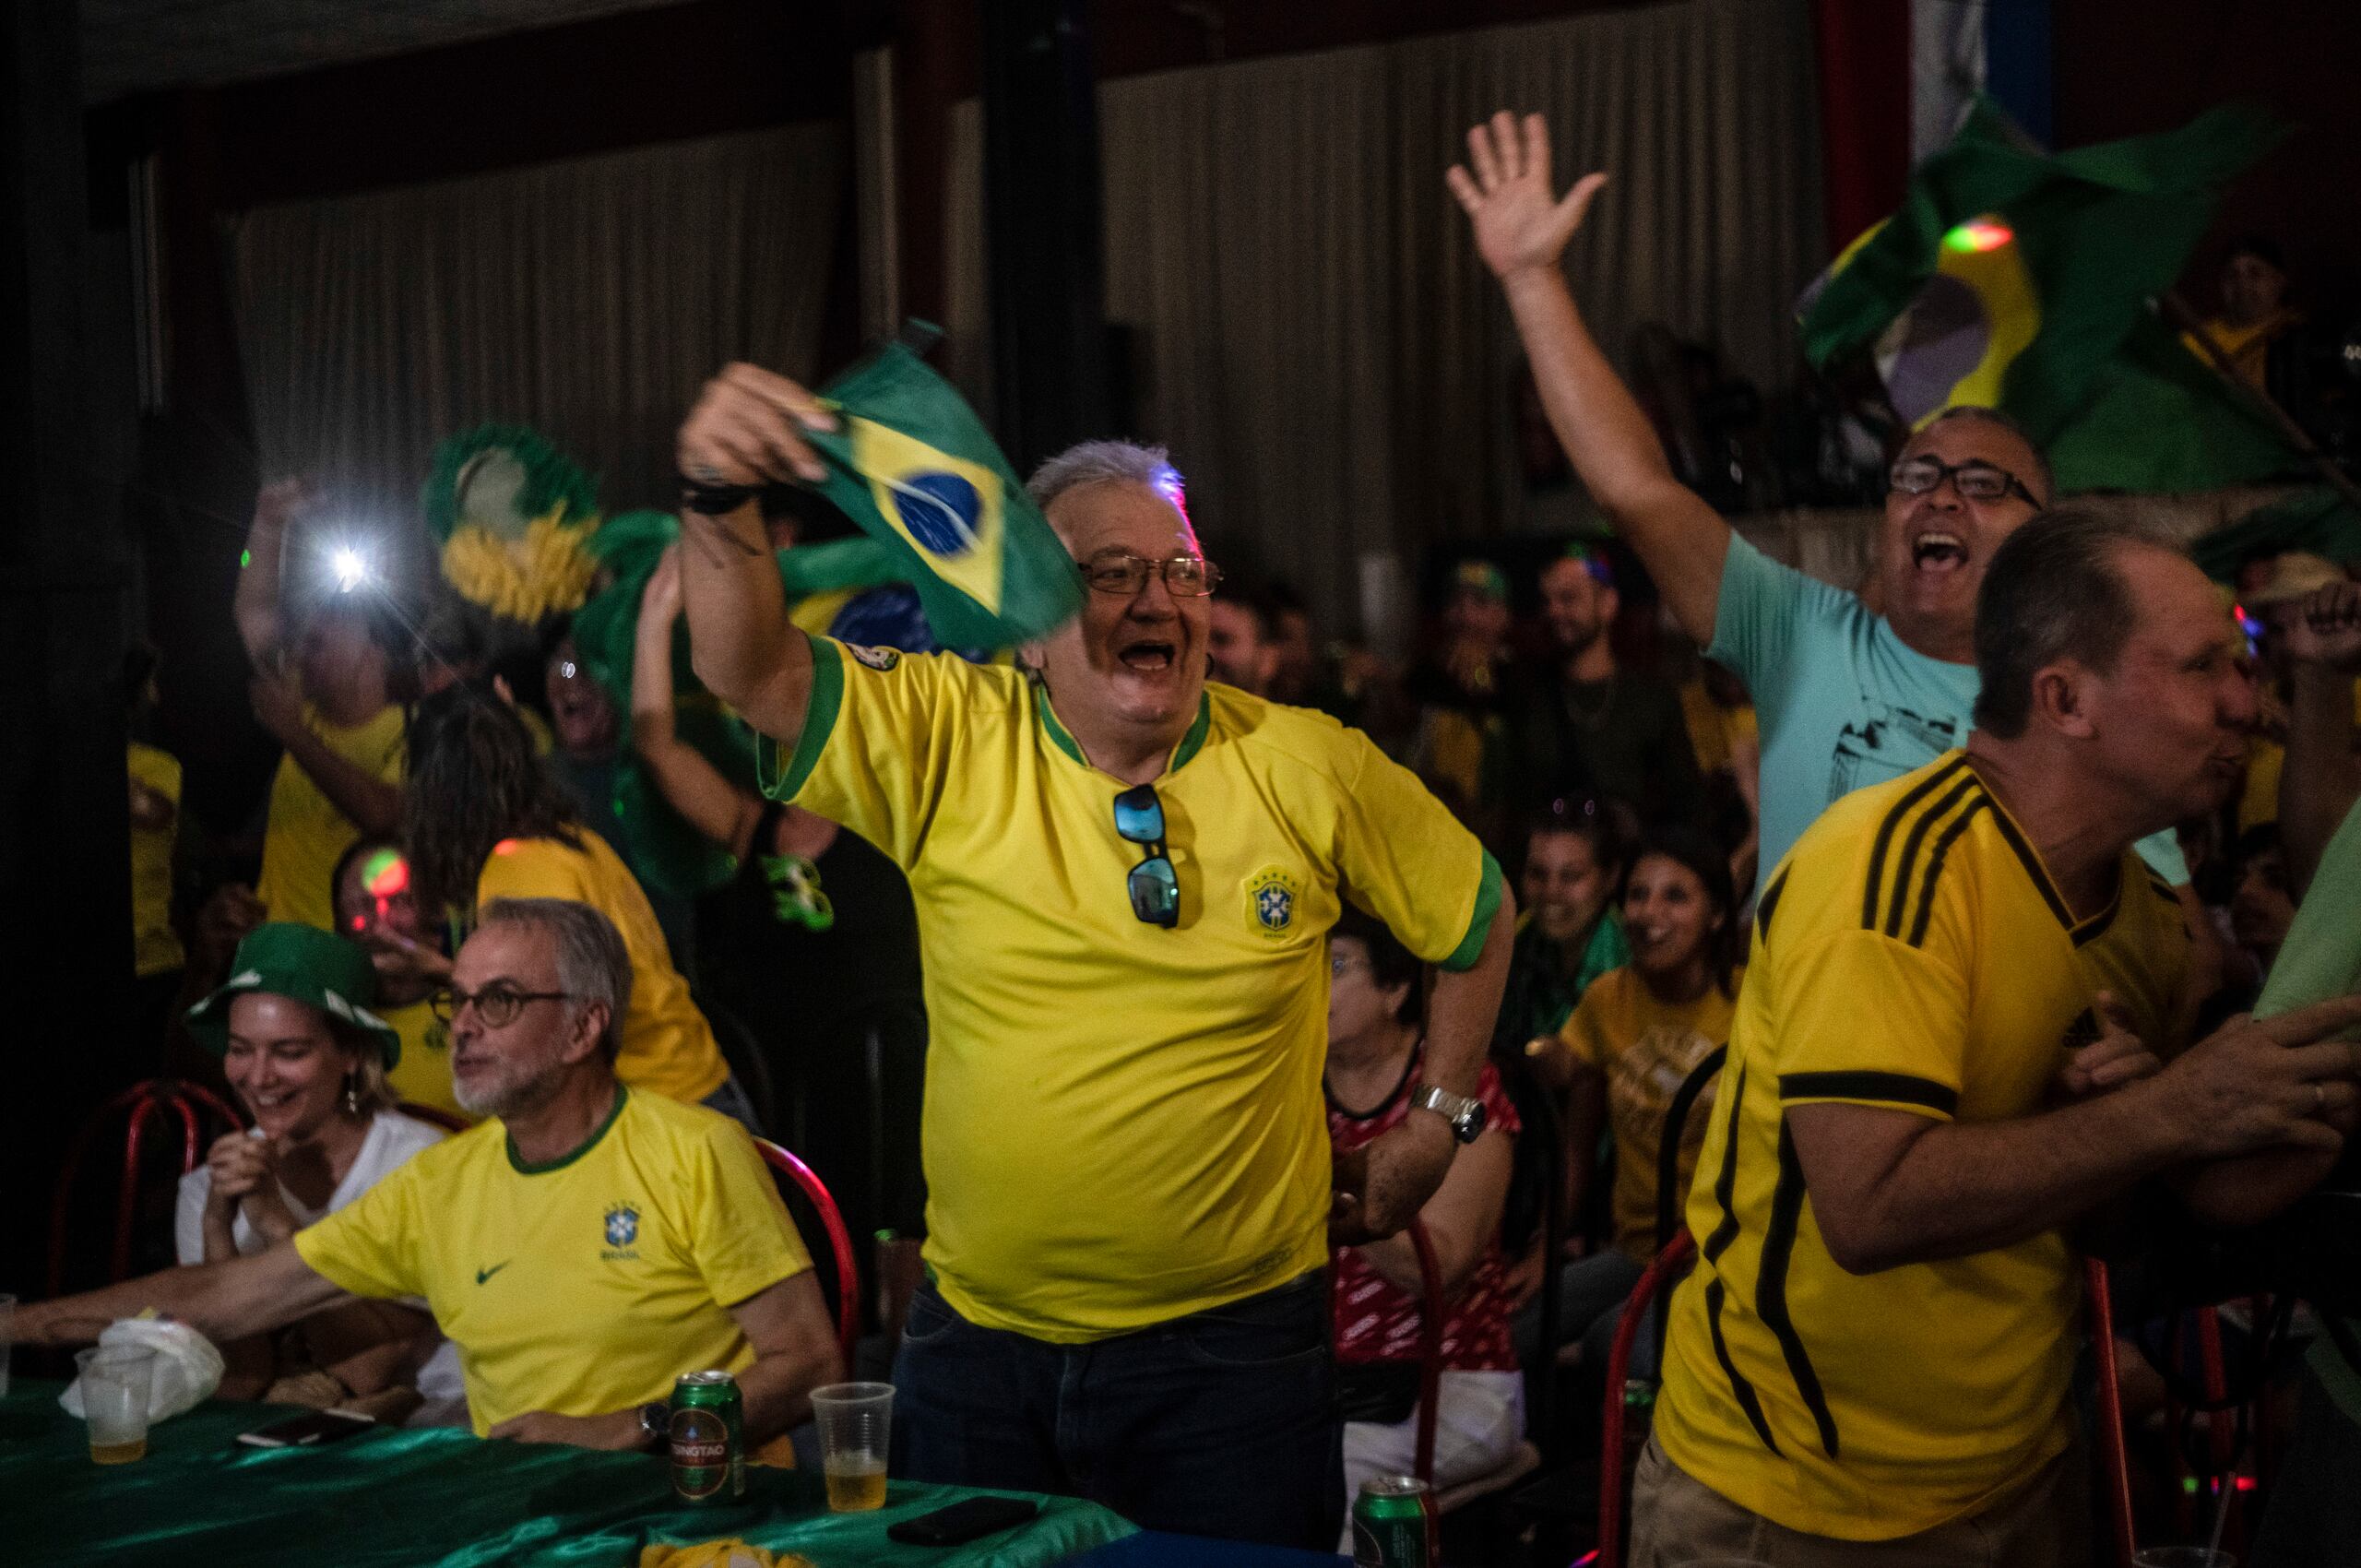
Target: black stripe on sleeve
(1726, 1180)
(1911, 846)
(1771, 1288)
(1935, 867)
(1899, 1087)
(1901, 809)
(1767, 906)
(1740, 1389)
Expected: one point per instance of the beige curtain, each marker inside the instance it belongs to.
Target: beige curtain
(1322, 349)
(588, 299)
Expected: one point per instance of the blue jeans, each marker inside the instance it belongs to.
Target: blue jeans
(1220, 1423)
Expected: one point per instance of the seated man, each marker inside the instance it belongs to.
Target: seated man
(1872, 1360)
(653, 1222)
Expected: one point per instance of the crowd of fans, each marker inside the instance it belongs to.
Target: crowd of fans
(1118, 914)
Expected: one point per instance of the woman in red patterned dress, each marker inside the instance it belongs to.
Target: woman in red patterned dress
(1374, 1054)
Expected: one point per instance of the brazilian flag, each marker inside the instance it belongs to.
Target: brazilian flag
(914, 468)
(2021, 280)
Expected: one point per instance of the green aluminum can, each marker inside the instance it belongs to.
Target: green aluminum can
(1395, 1524)
(708, 1439)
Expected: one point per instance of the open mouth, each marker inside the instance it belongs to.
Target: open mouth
(1149, 655)
(1937, 551)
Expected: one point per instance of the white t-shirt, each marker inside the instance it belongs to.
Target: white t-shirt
(392, 1139)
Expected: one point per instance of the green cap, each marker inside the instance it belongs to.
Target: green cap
(304, 964)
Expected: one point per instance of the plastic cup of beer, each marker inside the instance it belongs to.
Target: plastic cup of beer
(2182, 1557)
(856, 1420)
(116, 1380)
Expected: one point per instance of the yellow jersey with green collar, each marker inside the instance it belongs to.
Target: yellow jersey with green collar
(306, 833)
(584, 1285)
(1124, 1123)
(1910, 954)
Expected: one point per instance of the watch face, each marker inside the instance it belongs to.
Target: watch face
(1469, 1123)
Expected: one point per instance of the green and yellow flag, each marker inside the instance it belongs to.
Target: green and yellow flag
(915, 470)
(2021, 280)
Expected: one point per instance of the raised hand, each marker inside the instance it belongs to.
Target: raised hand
(747, 430)
(659, 603)
(2117, 1057)
(2324, 627)
(1521, 224)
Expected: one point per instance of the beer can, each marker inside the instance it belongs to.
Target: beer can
(708, 1439)
(1395, 1525)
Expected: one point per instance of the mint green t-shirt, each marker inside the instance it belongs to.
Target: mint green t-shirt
(1843, 701)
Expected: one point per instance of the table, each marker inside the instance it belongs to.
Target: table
(434, 1496)
(1156, 1548)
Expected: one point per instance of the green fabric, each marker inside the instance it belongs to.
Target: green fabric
(548, 480)
(1996, 239)
(407, 1499)
(304, 964)
(781, 780)
(2321, 960)
(915, 470)
(2317, 519)
(1479, 924)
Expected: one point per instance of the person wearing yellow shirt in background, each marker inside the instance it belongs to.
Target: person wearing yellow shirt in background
(1124, 880)
(154, 776)
(1633, 1040)
(487, 820)
(1872, 1362)
(322, 687)
(583, 1247)
(376, 907)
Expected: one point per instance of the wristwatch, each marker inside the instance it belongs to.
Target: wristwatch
(1465, 1115)
(654, 1423)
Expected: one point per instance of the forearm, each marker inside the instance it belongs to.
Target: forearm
(229, 1299)
(778, 1388)
(1463, 1006)
(2321, 777)
(693, 785)
(1962, 1188)
(373, 805)
(2253, 1187)
(1615, 450)
(740, 642)
(255, 606)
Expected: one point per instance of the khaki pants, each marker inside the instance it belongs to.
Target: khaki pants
(1677, 1520)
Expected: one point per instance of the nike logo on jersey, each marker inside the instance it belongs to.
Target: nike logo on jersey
(484, 1274)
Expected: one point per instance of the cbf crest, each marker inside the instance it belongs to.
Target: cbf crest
(622, 1232)
(1273, 898)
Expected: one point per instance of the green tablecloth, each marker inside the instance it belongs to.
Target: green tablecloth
(432, 1497)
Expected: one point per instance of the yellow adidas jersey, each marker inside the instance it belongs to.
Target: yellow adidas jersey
(584, 1286)
(1124, 1123)
(669, 1048)
(305, 835)
(1911, 953)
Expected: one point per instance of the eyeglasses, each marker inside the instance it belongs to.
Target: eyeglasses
(1154, 886)
(1185, 577)
(1975, 479)
(496, 1005)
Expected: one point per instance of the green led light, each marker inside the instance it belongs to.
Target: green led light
(245, 558)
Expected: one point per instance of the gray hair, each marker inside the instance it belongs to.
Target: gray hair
(1984, 414)
(593, 964)
(1103, 462)
(2054, 590)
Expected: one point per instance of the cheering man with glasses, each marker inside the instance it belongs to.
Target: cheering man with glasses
(1848, 695)
(583, 1247)
(1125, 878)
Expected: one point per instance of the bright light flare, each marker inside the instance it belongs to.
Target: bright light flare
(350, 567)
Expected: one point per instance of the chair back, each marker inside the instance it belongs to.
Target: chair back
(1658, 1280)
(191, 1104)
(815, 1193)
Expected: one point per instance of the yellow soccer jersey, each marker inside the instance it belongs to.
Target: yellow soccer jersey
(422, 1074)
(1124, 1123)
(669, 1048)
(305, 834)
(155, 945)
(581, 1287)
(1911, 953)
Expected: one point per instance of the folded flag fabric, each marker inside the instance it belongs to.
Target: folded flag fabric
(915, 470)
(2021, 280)
(2315, 519)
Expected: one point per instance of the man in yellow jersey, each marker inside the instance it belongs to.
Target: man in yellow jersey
(1875, 1347)
(322, 688)
(583, 1247)
(1124, 880)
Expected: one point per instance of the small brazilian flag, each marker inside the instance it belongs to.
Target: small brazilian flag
(2022, 279)
(914, 468)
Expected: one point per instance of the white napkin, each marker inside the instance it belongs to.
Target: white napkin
(188, 1369)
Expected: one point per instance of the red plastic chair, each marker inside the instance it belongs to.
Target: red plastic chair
(435, 1116)
(144, 1103)
(839, 1239)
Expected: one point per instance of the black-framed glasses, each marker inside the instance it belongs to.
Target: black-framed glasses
(1185, 577)
(1152, 885)
(496, 1005)
(1975, 479)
